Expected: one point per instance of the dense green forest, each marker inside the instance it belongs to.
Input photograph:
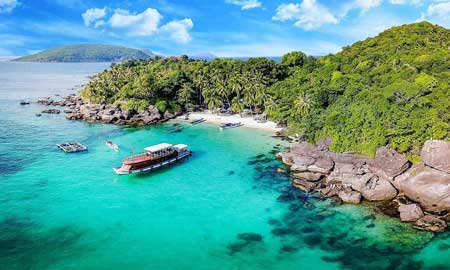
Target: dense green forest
(87, 53)
(393, 89)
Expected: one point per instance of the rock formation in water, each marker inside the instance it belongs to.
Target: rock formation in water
(79, 110)
(420, 191)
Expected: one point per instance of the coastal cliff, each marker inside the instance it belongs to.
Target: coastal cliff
(418, 193)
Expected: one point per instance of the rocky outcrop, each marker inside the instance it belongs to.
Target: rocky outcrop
(389, 178)
(51, 111)
(430, 188)
(431, 223)
(436, 154)
(410, 212)
(350, 196)
(77, 109)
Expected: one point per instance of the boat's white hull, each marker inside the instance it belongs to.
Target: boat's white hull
(119, 170)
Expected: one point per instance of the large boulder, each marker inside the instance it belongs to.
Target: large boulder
(350, 196)
(430, 223)
(378, 189)
(430, 188)
(410, 212)
(388, 163)
(322, 165)
(398, 180)
(301, 163)
(304, 185)
(436, 154)
(308, 176)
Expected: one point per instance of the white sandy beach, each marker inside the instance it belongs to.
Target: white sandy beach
(247, 121)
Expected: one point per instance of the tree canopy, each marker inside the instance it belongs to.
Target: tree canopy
(393, 89)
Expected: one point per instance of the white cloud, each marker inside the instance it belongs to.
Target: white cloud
(93, 15)
(6, 6)
(367, 4)
(308, 15)
(245, 4)
(439, 10)
(405, 2)
(141, 24)
(179, 30)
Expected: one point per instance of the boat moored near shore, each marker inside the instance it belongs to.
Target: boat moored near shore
(155, 157)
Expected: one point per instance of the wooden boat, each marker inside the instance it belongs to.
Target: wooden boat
(23, 102)
(72, 147)
(155, 157)
(173, 130)
(231, 125)
(112, 145)
(198, 121)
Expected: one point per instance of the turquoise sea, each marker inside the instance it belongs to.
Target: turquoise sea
(224, 208)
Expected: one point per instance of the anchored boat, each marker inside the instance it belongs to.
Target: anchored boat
(112, 145)
(72, 147)
(155, 157)
(231, 125)
(198, 121)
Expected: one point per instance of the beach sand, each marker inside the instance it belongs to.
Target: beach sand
(220, 119)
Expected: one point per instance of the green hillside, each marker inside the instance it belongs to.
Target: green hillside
(87, 53)
(393, 89)
(389, 90)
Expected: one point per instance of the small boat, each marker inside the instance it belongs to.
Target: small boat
(112, 145)
(155, 157)
(231, 125)
(72, 147)
(198, 121)
(173, 130)
(23, 102)
(38, 114)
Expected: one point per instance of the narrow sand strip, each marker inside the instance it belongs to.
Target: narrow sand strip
(220, 119)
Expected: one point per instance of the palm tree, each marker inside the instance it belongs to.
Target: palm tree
(202, 82)
(185, 95)
(221, 85)
(303, 104)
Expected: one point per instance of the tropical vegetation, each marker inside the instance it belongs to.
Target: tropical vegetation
(393, 89)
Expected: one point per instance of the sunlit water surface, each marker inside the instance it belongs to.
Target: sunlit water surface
(224, 208)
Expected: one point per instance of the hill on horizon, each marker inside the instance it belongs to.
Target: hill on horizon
(87, 53)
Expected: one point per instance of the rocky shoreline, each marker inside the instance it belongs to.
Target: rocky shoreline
(77, 109)
(416, 193)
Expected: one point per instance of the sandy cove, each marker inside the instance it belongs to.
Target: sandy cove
(248, 122)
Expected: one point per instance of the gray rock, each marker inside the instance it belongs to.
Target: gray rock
(304, 185)
(169, 115)
(322, 165)
(436, 154)
(308, 176)
(388, 163)
(431, 223)
(324, 144)
(410, 212)
(430, 188)
(350, 196)
(378, 189)
(301, 163)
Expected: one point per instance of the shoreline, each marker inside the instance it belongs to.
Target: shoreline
(248, 122)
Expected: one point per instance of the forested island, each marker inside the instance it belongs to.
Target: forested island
(391, 90)
(87, 53)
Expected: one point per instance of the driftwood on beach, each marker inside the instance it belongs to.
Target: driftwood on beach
(418, 193)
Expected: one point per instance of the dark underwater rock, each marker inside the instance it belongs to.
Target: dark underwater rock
(255, 237)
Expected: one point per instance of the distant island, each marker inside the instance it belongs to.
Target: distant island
(87, 53)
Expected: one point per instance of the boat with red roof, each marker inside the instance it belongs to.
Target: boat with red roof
(155, 157)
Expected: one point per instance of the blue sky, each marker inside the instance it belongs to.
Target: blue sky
(221, 27)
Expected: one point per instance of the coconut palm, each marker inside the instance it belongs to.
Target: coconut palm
(303, 104)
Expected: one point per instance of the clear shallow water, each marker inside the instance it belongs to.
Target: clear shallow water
(70, 211)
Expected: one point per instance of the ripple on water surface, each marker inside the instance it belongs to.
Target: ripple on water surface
(225, 208)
